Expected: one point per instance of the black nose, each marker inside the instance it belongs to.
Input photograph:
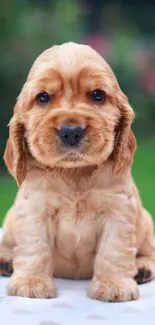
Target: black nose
(71, 135)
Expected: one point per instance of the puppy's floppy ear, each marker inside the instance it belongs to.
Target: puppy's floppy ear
(125, 142)
(15, 153)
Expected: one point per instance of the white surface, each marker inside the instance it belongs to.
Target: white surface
(73, 307)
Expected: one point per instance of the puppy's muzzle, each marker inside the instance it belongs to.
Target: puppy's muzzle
(71, 135)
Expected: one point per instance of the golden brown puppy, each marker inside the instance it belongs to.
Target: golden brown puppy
(77, 213)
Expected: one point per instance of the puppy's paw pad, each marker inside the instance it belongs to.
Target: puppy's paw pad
(143, 276)
(6, 268)
(36, 286)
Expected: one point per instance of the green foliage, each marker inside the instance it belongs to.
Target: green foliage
(144, 173)
(8, 191)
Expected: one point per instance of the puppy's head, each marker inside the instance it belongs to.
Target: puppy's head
(71, 113)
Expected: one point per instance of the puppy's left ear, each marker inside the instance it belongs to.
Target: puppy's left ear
(125, 142)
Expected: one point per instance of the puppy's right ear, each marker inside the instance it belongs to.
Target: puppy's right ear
(15, 156)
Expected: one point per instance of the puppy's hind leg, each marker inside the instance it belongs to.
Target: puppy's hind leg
(6, 246)
(146, 254)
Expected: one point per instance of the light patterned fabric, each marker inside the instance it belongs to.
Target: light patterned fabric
(73, 307)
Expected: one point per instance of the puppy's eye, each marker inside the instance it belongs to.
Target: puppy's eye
(98, 95)
(43, 98)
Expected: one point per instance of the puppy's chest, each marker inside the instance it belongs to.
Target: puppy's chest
(75, 222)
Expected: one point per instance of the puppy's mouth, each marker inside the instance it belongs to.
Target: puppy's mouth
(73, 153)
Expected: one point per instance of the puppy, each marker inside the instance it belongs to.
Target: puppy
(77, 213)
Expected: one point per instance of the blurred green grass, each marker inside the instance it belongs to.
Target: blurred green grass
(143, 172)
(8, 191)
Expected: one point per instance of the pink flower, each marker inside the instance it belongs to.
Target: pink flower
(141, 58)
(99, 43)
(148, 82)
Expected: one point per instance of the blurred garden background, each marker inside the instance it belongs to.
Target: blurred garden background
(122, 31)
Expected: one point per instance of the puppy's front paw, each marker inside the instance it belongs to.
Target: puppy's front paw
(113, 290)
(34, 286)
